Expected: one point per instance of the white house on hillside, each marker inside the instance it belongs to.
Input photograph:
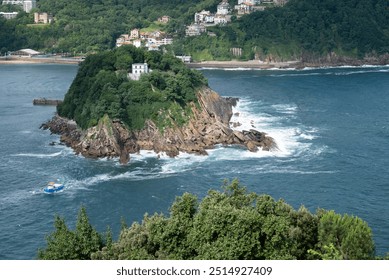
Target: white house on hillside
(204, 17)
(223, 8)
(10, 15)
(138, 69)
(195, 29)
(251, 2)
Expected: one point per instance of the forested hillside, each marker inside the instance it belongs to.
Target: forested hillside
(86, 26)
(301, 28)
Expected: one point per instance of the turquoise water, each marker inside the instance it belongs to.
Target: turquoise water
(331, 127)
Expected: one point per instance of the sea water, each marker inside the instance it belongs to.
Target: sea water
(331, 127)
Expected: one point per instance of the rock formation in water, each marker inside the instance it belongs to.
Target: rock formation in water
(208, 126)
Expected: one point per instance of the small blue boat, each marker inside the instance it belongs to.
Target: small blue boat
(53, 187)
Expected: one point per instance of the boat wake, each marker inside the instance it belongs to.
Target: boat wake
(38, 155)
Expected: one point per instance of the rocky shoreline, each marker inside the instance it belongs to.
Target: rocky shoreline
(208, 126)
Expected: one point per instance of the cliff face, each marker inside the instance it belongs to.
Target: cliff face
(208, 126)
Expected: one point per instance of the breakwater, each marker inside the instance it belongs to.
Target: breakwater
(44, 101)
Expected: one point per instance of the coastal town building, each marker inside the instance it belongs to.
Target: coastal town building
(137, 43)
(205, 17)
(275, 2)
(245, 7)
(236, 51)
(27, 5)
(151, 40)
(135, 33)
(43, 18)
(251, 2)
(222, 19)
(223, 8)
(123, 39)
(185, 58)
(137, 70)
(10, 15)
(164, 19)
(280, 2)
(25, 53)
(195, 29)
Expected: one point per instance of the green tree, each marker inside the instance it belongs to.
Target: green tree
(60, 243)
(65, 244)
(345, 236)
(227, 224)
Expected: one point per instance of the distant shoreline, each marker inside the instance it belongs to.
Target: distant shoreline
(288, 65)
(231, 64)
(39, 60)
(251, 64)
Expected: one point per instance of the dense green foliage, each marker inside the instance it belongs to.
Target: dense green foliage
(232, 224)
(65, 244)
(93, 25)
(102, 87)
(347, 27)
(302, 28)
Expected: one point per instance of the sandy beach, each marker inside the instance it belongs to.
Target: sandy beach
(251, 64)
(38, 60)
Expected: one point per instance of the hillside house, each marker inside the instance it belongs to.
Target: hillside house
(280, 2)
(43, 18)
(164, 19)
(124, 39)
(222, 19)
(185, 58)
(10, 15)
(137, 70)
(204, 17)
(251, 2)
(134, 34)
(195, 29)
(223, 8)
(244, 8)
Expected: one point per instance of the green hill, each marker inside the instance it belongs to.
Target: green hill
(301, 28)
(102, 87)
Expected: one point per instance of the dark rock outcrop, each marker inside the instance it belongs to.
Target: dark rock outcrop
(207, 127)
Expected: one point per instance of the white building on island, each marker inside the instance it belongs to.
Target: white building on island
(138, 69)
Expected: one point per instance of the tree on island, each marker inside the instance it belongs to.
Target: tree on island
(228, 224)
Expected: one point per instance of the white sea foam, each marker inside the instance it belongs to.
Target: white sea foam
(38, 155)
(290, 140)
(289, 170)
(183, 162)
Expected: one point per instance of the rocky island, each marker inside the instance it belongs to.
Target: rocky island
(109, 112)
